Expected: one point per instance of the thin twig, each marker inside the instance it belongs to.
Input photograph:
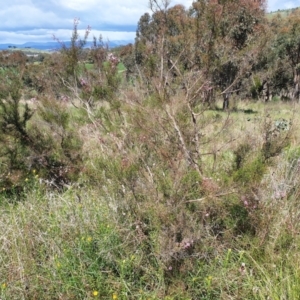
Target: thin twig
(217, 195)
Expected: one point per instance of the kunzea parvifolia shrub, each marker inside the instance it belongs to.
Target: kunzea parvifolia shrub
(34, 140)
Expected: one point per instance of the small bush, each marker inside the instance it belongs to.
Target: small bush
(241, 154)
(251, 172)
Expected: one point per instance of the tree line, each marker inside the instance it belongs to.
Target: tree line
(228, 47)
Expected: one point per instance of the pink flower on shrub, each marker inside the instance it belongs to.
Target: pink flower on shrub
(83, 82)
(280, 195)
(283, 194)
(113, 59)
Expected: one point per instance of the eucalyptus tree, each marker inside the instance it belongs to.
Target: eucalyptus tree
(226, 34)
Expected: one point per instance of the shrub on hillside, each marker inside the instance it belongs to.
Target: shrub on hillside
(39, 139)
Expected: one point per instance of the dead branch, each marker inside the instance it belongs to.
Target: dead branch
(187, 154)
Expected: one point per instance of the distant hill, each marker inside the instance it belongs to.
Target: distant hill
(282, 12)
(52, 46)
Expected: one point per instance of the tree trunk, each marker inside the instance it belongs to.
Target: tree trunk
(225, 101)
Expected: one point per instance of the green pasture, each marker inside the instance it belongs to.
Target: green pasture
(120, 66)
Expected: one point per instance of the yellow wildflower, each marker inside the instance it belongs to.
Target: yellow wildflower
(95, 293)
(115, 296)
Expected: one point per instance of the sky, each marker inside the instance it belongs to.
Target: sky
(38, 20)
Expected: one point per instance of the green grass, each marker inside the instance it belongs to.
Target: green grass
(89, 66)
(121, 67)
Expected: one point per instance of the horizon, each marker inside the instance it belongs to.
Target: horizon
(55, 45)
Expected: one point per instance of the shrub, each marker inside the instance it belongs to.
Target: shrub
(252, 171)
(277, 136)
(44, 142)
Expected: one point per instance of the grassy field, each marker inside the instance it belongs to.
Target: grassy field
(121, 67)
(29, 50)
(141, 223)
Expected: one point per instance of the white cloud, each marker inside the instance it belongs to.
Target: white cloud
(26, 16)
(53, 12)
(79, 5)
